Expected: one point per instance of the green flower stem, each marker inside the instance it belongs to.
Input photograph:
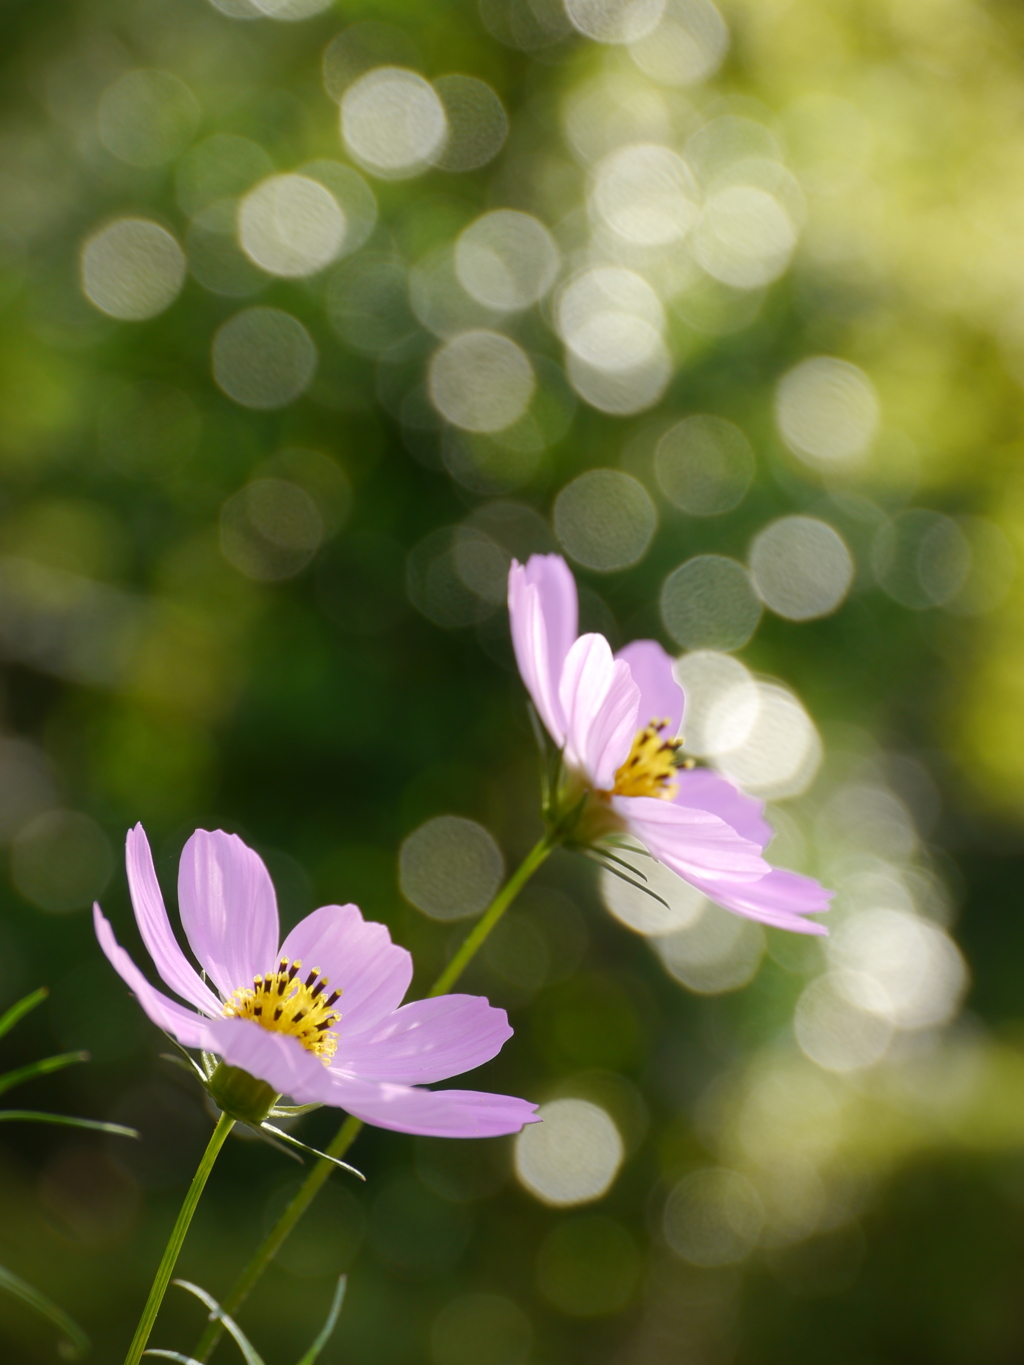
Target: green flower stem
(166, 1267)
(271, 1244)
(474, 940)
(346, 1134)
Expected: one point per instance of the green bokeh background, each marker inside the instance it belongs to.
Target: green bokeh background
(324, 717)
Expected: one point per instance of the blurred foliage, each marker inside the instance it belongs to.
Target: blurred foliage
(282, 616)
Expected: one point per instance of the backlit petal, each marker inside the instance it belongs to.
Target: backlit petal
(693, 843)
(781, 899)
(600, 702)
(433, 1113)
(428, 1040)
(155, 927)
(661, 697)
(228, 908)
(189, 1029)
(702, 789)
(358, 958)
(542, 615)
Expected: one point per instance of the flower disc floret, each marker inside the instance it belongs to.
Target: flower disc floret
(281, 1003)
(651, 767)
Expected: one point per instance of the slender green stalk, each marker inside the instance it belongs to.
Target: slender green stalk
(270, 1245)
(346, 1134)
(173, 1247)
(476, 937)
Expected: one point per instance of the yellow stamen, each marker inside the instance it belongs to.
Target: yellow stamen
(281, 1004)
(651, 766)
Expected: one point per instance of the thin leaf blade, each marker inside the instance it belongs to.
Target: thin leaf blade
(20, 1008)
(45, 1067)
(46, 1308)
(96, 1125)
(217, 1314)
(325, 1332)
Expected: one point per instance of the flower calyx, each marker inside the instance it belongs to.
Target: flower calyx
(240, 1095)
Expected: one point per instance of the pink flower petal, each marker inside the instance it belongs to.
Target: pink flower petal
(702, 789)
(276, 1058)
(428, 1040)
(600, 701)
(779, 899)
(358, 957)
(543, 613)
(433, 1113)
(556, 587)
(228, 908)
(661, 697)
(155, 927)
(191, 1030)
(693, 843)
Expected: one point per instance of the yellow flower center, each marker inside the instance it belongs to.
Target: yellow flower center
(280, 1003)
(651, 766)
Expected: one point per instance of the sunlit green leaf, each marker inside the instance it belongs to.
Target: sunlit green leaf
(21, 1008)
(41, 1068)
(65, 1120)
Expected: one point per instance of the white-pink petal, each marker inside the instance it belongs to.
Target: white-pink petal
(191, 1030)
(661, 697)
(532, 646)
(155, 928)
(600, 701)
(693, 843)
(358, 958)
(228, 908)
(276, 1058)
(780, 898)
(703, 789)
(434, 1113)
(428, 1040)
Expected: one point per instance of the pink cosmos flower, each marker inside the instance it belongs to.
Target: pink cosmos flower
(320, 1017)
(615, 719)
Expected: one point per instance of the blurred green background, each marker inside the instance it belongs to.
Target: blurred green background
(755, 263)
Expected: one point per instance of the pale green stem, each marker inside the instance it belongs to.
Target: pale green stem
(177, 1237)
(346, 1134)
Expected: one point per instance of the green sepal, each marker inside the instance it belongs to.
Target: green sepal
(304, 1147)
(240, 1095)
